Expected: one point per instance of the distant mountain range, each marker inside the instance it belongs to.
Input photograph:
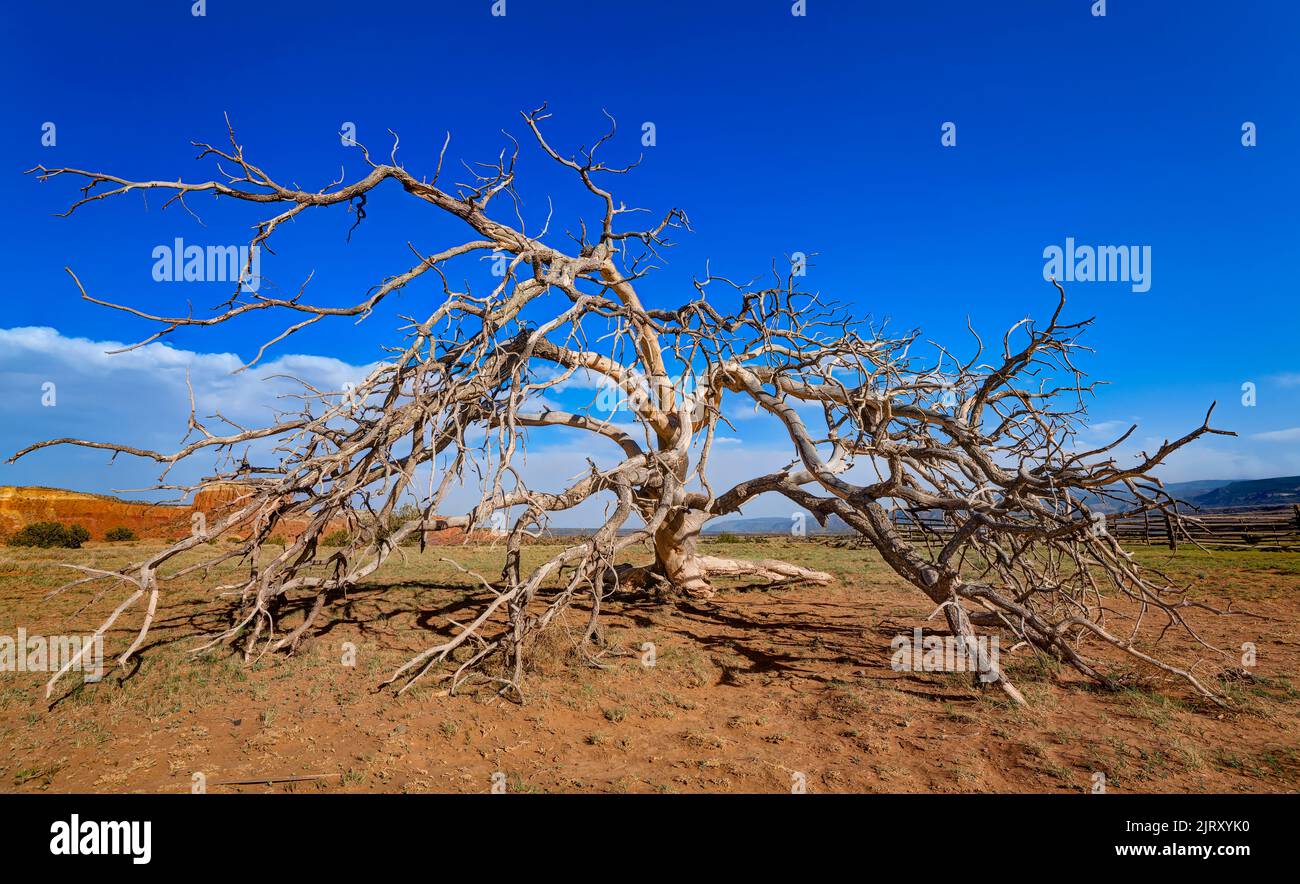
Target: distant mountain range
(1202, 493)
(1227, 494)
(1255, 492)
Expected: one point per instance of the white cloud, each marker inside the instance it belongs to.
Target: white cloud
(84, 371)
(136, 398)
(1291, 434)
(1108, 430)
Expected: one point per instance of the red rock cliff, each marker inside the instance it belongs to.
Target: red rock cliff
(96, 513)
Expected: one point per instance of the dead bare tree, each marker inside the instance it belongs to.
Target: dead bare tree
(461, 396)
(992, 450)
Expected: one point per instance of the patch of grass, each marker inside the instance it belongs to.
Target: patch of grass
(703, 740)
(1157, 708)
(843, 702)
(41, 775)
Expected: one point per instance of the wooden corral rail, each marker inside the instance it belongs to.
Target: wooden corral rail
(1271, 526)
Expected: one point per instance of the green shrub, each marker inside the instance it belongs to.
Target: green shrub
(335, 538)
(725, 537)
(47, 535)
(119, 533)
(383, 529)
(407, 512)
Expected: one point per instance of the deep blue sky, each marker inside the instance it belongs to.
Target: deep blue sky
(775, 133)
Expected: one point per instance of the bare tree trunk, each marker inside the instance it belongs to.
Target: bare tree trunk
(676, 554)
(679, 562)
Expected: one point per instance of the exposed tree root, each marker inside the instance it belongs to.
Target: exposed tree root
(767, 569)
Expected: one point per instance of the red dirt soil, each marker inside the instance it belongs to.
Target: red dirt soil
(751, 692)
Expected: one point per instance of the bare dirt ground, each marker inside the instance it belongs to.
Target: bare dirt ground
(747, 692)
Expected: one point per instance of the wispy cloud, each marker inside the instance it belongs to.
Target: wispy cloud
(1107, 430)
(1290, 434)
